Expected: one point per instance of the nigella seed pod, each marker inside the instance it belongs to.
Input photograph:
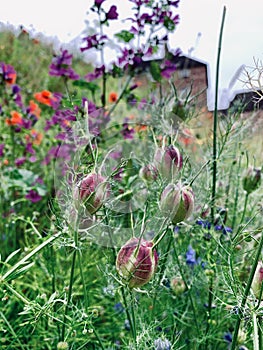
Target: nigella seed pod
(257, 280)
(168, 161)
(148, 173)
(251, 179)
(177, 202)
(136, 262)
(92, 191)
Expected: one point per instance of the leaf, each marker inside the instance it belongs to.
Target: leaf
(169, 24)
(155, 71)
(125, 36)
(12, 255)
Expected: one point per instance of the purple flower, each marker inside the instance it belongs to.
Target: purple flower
(98, 3)
(20, 161)
(127, 132)
(94, 41)
(61, 66)
(191, 256)
(30, 149)
(2, 146)
(97, 73)
(112, 14)
(168, 68)
(33, 196)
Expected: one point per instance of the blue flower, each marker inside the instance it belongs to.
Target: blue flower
(191, 256)
(228, 337)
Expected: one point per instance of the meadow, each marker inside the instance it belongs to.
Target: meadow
(130, 217)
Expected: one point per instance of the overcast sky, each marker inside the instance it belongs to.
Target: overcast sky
(198, 29)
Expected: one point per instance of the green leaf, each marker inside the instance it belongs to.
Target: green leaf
(169, 24)
(155, 71)
(125, 36)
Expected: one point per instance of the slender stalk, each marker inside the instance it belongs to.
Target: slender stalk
(246, 292)
(255, 332)
(188, 290)
(210, 302)
(133, 319)
(244, 209)
(214, 165)
(128, 312)
(236, 194)
(163, 265)
(72, 273)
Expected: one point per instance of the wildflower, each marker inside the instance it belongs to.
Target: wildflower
(97, 73)
(191, 256)
(95, 41)
(177, 285)
(98, 3)
(16, 119)
(251, 179)
(62, 345)
(61, 66)
(148, 173)
(228, 337)
(177, 202)
(162, 344)
(34, 109)
(127, 131)
(167, 69)
(113, 97)
(20, 161)
(33, 196)
(46, 97)
(168, 161)
(112, 13)
(257, 280)
(92, 190)
(136, 262)
(8, 73)
(2, 146)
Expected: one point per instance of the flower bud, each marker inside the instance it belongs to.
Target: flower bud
(92, 191)
(177, 202)
(168, 161)
(148, 173)
(177, 285)
(257, 280)
(137, 262)
(252, 179)
(62, 345)
(162, 344)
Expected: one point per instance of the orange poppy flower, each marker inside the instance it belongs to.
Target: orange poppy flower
(35, 137)
(11, 79)
(45, 97)
(6, 162)
(34, 108)
(113, 97)
(16, 119)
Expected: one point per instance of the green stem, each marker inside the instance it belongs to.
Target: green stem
(128, 313)
(246, 292)
(133, 319)
(210, 302)
(162, 267)
(214, 166)
(188, 290)
(72, 272)
(244, 209)
(236, 195)
(255, 332)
